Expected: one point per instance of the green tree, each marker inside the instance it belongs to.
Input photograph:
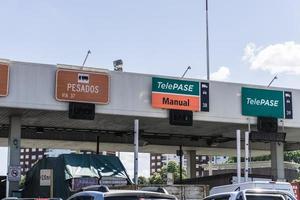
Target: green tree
(292, 156)
(161, 177)
(22, 181)
(257, 158)
(142, 180)
(231, 160)
(289, 156)
(156, 179)
(261, 158)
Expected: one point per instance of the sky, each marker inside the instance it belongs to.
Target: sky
(3, 161)
(251, 41)
(127, 158)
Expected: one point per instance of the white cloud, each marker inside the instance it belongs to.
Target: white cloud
(249, 52)
(222, 74)
(276, 58)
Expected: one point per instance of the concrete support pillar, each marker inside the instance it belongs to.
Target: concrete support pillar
(14, 142)
(191, 164)
(277, 164)
(210, 170)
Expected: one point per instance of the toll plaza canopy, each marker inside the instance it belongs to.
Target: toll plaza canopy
(40, 95)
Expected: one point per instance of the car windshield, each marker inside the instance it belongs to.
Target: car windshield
(218, 197)
(264, 197)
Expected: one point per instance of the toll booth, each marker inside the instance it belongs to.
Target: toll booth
(37, 110)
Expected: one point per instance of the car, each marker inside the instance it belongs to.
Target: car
(257, 190)
(253, 194)
(95, 194)
(99, 188)
(155, 189)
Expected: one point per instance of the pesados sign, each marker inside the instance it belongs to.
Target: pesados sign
(4, 78)
(82, 86)
(266, 103)
(175, 94)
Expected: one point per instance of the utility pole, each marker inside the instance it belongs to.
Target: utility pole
(136, 150)
(207, 40)
(180, 163)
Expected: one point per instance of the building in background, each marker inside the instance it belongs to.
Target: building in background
(157, 161)
(29, 156)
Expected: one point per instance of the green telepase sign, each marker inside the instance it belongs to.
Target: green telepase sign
(263, 103)
(175, 86)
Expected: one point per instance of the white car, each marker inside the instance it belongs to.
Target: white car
(258, 190)
(256, 194)
(121, 195)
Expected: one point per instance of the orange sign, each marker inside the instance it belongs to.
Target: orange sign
(175, 94)
(4, 79)
(82, 86)
(173, 101)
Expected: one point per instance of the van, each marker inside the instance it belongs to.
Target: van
(257, 190)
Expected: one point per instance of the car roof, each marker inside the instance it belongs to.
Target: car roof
(254, 191)
(136, 192)
(154, 189)
(115, 193)
(268, 185)
(86, 193)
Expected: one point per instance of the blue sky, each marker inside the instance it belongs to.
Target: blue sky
(250, 41)
(157, 37)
